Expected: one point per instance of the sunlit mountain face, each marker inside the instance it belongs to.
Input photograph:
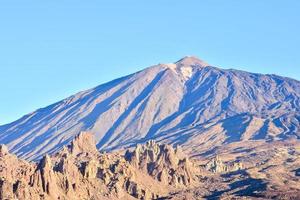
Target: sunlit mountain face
(188, 103)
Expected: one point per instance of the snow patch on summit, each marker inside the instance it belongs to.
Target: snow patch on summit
(171, 66)
(184, 71)
(187, 72)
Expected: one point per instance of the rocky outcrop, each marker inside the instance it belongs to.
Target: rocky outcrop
(3, 150)
(150, 171)
(216, 165)
(83, 143)
(15, 174)
(79, 171)
(123, 178)
(162, 162)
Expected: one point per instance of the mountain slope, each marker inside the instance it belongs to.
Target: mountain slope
(188, 102)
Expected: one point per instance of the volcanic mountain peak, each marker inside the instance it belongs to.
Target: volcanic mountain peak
(186, 66)
(187, 103)
(191, 61)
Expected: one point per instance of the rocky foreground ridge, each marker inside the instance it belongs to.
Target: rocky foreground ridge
(150, 171)
(79, 171)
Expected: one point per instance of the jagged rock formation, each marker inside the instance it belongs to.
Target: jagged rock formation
(14, 176)
(83, 143)
(151, 171)
(79, 171)
(187, 102)
(165, 164)
(216, 165)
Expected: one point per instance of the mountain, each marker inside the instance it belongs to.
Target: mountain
(188, 103)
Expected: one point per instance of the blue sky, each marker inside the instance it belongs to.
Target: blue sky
(52, 49)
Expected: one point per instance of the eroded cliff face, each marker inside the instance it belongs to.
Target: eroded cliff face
(79, 171)
(165, 164)
(216, 165)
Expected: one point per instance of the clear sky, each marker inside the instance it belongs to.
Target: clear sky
(52, 49)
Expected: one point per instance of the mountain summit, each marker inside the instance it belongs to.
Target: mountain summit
(191, 61)
(187, 103)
